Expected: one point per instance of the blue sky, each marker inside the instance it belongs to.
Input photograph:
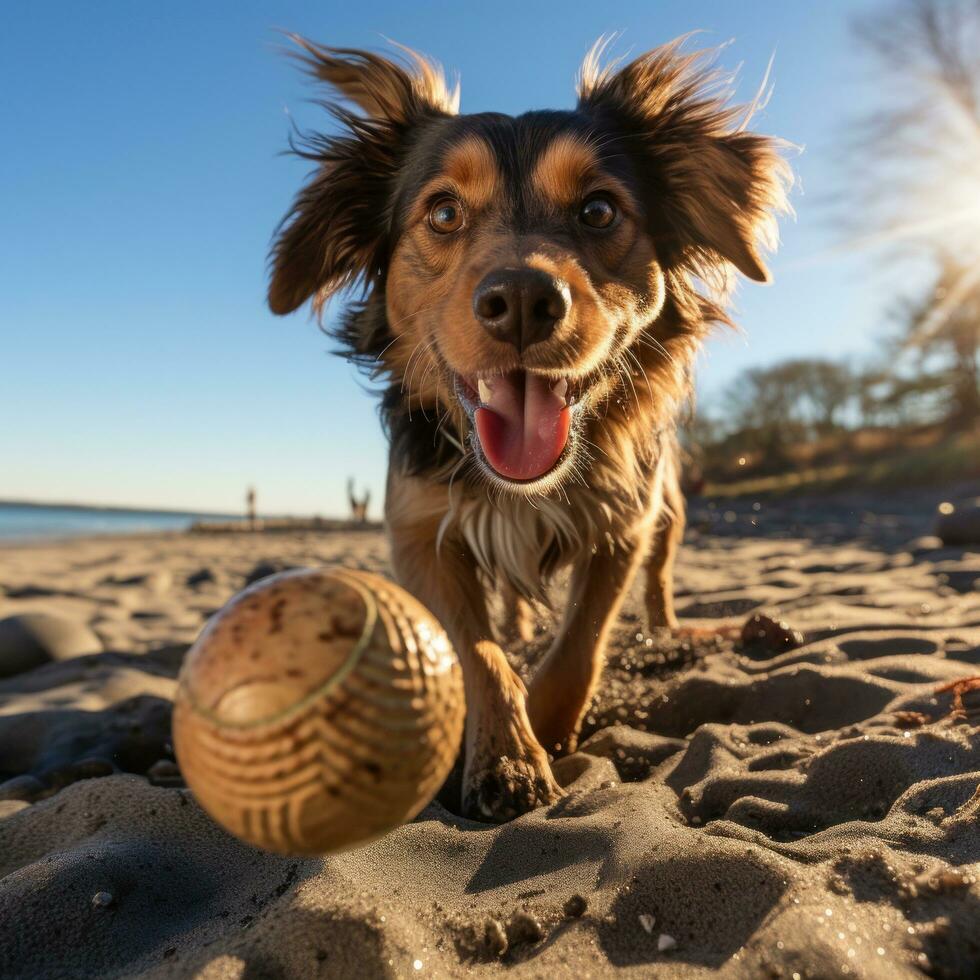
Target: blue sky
(141, 178)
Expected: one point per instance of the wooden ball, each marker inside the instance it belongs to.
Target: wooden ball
(317, 710)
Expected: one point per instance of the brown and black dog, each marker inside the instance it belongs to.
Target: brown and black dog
(535, 290)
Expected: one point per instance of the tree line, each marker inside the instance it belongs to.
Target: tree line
(914, 185)
(929, 375)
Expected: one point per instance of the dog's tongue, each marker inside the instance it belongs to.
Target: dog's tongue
(523, 425)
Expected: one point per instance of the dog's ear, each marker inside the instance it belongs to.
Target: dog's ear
(711, 188)
(337, 228)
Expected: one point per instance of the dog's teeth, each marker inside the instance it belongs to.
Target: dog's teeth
(486, 392)
(560, 387)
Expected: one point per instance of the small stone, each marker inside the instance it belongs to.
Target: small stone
(102, 900)
(158, 581)
(665, 942)
(647, 921)
(30, 640)
(202, 576)
(265, 568)
(27, 788)
(524, 928)
(575, 907)
(959, 524)
(163, 772)
(763, 632)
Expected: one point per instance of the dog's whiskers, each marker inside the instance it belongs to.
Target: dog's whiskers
(411, 316)
(405, 384)
(425, 375)
(388, 347)
(626, 371)
(650, 341)
(418, 353)
(642, 370)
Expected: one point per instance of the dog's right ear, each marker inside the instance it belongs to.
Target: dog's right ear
(715, 186)
(336, 231)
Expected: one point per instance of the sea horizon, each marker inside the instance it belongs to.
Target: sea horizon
(22, 520)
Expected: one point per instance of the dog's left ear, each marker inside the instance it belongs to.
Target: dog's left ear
(711, 188)
(336, 231)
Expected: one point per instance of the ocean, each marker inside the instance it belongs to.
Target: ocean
(30, 522)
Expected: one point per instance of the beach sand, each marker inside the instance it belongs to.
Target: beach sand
(736, 810)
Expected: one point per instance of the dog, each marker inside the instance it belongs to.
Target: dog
(535, 289)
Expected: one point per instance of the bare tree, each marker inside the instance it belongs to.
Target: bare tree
(764, 409)
(943, 329)
(921, 145)
(824, 390)
(921, 186)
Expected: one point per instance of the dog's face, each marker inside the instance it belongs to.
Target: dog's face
(519, 260)
(522, 260)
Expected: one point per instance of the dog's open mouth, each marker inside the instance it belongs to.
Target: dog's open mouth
(522, 421)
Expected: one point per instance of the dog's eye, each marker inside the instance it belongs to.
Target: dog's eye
(446, 216)
(598, 212)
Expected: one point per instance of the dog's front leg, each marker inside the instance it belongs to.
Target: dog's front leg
(518, 616)
(506, 771)
(665, 540)
(563, 684)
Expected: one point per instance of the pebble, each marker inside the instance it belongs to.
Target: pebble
(30, 640)
(201, 577)
(575, 907)
(159, 581)
(163, 772)
(102, 900)
(774, 637)
(265, 568)
(959, 524)
(523, 928)
(665, 942)
(25, 787)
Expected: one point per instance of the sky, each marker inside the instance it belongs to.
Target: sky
(142, 174)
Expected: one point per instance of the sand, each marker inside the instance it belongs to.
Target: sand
(737, 810)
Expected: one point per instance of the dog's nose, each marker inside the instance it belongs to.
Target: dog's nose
(521, 306)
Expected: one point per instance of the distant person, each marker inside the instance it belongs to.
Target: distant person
(250, 507)
(358, 508)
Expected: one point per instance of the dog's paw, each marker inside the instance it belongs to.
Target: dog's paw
(506, 788)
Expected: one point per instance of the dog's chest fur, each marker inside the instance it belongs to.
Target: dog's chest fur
(525, 542)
